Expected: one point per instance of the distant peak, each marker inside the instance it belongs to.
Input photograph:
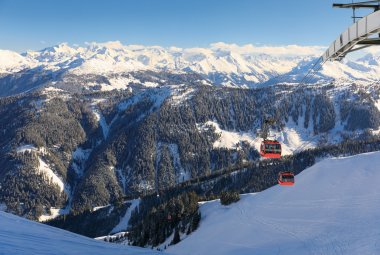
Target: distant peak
(59, 48)
(366, 57)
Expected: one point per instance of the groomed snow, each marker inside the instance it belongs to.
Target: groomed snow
(332, 209)
(19, 236)
(102, 121)
(182, 175)
(43, 167)
(123, 223)
(48, 172)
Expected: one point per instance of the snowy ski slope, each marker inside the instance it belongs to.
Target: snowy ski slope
(19, 236)
(332, 209)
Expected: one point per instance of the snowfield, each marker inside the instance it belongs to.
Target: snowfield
(19, 236)
(332, 209)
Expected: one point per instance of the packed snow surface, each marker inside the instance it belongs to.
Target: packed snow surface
(123, 223)
(49, 173)
(19, 236)
(332, 209)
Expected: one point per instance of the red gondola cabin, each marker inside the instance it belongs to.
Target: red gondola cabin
(285, 178)
(270, 149)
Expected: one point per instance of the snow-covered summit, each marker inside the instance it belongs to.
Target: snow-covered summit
(223, 64)
(11, 62)
(332, 209)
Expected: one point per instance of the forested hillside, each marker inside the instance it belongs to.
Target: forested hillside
(78, 151)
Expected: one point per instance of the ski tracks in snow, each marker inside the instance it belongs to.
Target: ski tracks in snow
(260, 220)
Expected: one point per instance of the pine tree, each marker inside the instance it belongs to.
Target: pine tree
(195, 221)
(176, 238)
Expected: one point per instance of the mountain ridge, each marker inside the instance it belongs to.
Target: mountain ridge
(221, 64)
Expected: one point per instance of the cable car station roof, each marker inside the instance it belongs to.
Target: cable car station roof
(359, 34)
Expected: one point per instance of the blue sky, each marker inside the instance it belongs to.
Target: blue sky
(35, 24)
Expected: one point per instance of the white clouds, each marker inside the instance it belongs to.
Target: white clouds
(110, 44)
(285, 50)
(247, 49)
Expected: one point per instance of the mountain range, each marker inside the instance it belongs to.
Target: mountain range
(83, 128)
(221, 64)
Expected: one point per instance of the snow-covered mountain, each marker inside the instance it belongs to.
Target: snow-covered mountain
(222, 64)
(332, 209)
(21, 236)
(163, 113)
(113, 57)
(12, 62)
